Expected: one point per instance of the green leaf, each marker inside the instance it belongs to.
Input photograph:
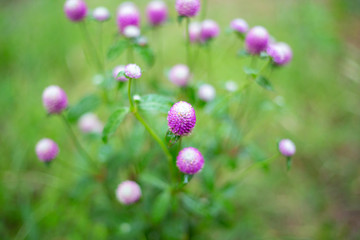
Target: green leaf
(251, 72)
(161, 206)
(121, 74)
(86, 104)
(146, 54)
(180, 19)
(264, 82)
(263, 55)
(171, 138)
(187, 178)
(243, 53)
(117, 49)
(151, 179)
(113, 122)
(155, 103)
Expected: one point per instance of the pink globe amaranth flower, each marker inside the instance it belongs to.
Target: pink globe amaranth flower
(181, 118)
(187, 8)
(239, 25)
(209, 30)
(190, 160)
(207, 92)
(46, 150)
(280, 53)
(156, 12)
(257, 40)
(54, 99)
(133, 71)
(116, 70)
(128, 192)
(90, 123)
(127, 15)
(180, 75)
(75, 10)
(287, 147)
(101, 14)
(194, 32)
(131, 31)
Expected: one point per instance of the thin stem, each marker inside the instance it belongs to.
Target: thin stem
(209, 70)
(81, 150)
(187, 42)
(132, 108)
(204, 9)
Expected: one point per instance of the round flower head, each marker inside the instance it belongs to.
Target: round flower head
(128, 192)
(280, 53)
(133, 71)
(181, 118)
(187, 8)
(101, 14)
(90, 123)
(231, 86)
(54, 99)
(46, 150)
(190, 160)
(194, 32)
(75, 10)
(116, 70)
(209, 30)
(256, 40)
(180, 75)
(131, 32)
(239, 25)
(206, 92)
(287, 147)
(157, 12)
(287, 51)
(127, 15)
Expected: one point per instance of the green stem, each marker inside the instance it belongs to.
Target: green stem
(188, 57)
(209, 61)
(204, 9)
(257, 165)
(132, 108)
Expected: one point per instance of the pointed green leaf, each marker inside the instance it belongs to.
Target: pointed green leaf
(264, 82)
(155, 103)
(117, 49)
(161, 206)
(113, 122)
(171, 138)
(180, 19)
(151, 179)
(250, 71)
(86, 104)
(146, 54)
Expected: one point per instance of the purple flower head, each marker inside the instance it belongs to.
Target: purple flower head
(287, 147)
(181, 118)
(256, 40)
(128, 192)
(46, 150)
(239, 25)
(180, 75)
(209, 30)
(54, 99)
(116, 70)
(75, 10)
(280, 53)
(190, 160)
(157, 12)
(194, 32)
(90, 123)
(207, 92)
(101, 14)
(187, 8)
(127, 15)
(133, 71)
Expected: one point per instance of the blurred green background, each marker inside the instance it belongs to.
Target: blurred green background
(315, 103)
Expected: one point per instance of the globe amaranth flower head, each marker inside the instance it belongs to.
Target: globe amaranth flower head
(128, 192)
(90, 123)
(207, 92)
(75, 10)
(117, 70)
(187, 8)
(181, 118)
(287, 147)
(239, 25)
(190, 160)
(54, 99)
(209, 30)
(131, 31)
(156, 12)
(180, 75)
(127, 15)
(46, 150)
(257, 40)
(280, 53)
(194, 32)
(133, 71)
(101, 14)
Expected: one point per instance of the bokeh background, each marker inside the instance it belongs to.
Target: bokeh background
(315, 103)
